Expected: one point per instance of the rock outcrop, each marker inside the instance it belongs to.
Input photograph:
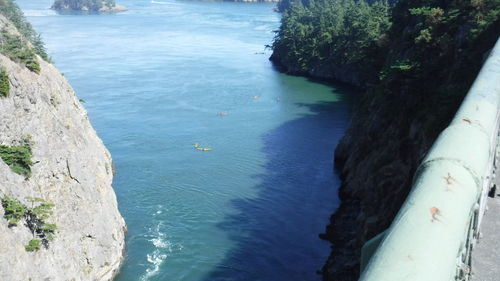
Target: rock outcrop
(348, 74)
(397, 120)
(71, 169)
(417, 72)
(104, 6)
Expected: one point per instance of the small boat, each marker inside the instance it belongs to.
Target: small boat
(198, 147)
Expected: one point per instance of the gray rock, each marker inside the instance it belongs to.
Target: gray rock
(72, 170)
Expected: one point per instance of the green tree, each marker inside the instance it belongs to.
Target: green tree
(14, 14)
(14, 211)
(4, 83)
(319, 35)
(18, 158)
(17, 48)
(33, 245)
(83, 5)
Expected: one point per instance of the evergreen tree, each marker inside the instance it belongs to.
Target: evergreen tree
(4, 83)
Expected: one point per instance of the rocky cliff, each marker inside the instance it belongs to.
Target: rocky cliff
(426, 62)
(434, 56)
(59, 218)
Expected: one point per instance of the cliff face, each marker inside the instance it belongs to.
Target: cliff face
(71, 169)
(436, 50)
(418, 70)
(377, 158)
(349, 74)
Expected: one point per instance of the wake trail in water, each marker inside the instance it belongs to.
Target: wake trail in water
(161, 3)
(162, 249)
(39, 13)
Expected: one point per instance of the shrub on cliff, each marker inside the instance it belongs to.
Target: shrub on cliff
(34, 218)
(13, 210)
(17, 49)
(33, 245)
(4, 83)
(18, 158)
(12, 12)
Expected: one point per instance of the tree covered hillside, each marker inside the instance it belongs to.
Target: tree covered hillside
(21, 45)
(84, 5)
(416, 59)
(331, 38)
(13, 13)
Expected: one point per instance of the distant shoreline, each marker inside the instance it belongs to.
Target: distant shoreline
(116, 9)
(105, 9)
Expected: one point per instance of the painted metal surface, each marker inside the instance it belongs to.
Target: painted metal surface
(434, 232)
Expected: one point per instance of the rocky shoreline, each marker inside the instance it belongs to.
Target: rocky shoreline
(116, 9)
(341, 73)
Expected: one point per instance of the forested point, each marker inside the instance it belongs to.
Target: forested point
(83, 5)
(365, 36)
(316, 35)
(416, 60)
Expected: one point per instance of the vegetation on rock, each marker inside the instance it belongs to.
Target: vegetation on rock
(14, 14)
(84, 5)
(17, 49)
(14, 211)
(417, 65)
(319, 35)
(4, 83)
(18, 158)
(33, 245)
(35, 219)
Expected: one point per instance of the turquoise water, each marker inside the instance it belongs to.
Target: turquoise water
(153, 80)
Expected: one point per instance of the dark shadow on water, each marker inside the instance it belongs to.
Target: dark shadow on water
(332, 82)
(276, 233)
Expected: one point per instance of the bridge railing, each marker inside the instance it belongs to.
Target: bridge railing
(433, 234)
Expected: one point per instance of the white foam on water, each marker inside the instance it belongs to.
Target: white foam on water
(39, 13)
(162, 249)
(159, 254)
(161, 2)
(155, 259)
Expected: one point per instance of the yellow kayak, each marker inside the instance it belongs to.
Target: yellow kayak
(197, 146)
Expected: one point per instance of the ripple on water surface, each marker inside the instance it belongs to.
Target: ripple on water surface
(154, 79)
